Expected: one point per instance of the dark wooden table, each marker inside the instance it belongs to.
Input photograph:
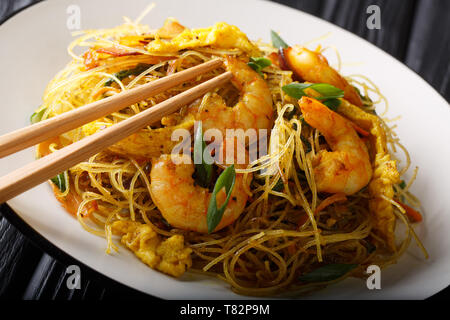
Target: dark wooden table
(416, 32)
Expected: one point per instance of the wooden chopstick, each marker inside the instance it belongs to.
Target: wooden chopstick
(46, 129)
(47, 167)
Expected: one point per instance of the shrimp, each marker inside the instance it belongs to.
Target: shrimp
(183, 203)
(347, 168)
(252, 111)
(313, 67)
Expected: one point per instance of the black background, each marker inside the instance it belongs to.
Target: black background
(416, 32)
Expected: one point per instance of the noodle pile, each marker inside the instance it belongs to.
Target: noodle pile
(286, 228)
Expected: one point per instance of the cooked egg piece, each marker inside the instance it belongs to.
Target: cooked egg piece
(169, 256)
(220, 36)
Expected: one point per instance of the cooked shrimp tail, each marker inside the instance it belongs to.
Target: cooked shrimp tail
(347, 167)
(183, 203)
(313, 67)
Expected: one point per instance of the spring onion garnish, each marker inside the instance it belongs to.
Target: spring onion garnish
(258, 64)
(277, 42)
(60, 182)
(226, 180)
(333, 103)
(329, 94)
(370, 247)
(141, 67)
(328, 272)
(365, 99)
(306, 143)
(296, 90)
(37, 116)
(279, 186)
(203, 170)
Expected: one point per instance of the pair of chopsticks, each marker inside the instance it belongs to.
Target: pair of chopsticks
(47, 167)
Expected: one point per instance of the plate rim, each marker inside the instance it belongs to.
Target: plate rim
(58, 254)
(62, 256)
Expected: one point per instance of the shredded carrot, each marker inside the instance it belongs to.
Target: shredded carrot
(360, 130)
(142, 160)
(274, 58)
(303, 218)
(90, 59)
(292, 249)
(94, 205)
(70, 202)
(330, 200)
(117, 52)
(412, 214)
(172, 68)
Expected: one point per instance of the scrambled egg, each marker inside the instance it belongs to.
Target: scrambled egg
(219, 36)
(385, 172)
(169, 256)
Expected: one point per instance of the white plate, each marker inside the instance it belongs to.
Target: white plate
(34, 48)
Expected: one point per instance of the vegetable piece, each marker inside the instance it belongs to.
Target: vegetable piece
(306, 143)
(274, 58)
(328, 272)
(302, 220)
(258, 64)
(37, 116)
(72, 201)
(226, 180)
(297, 90)
(370, 247)
(164, 221)
(279, 186)
(327, 91)
(277, 41)
(402, 184)
(329, 94)
(277, 59)
(203, 170)
(333, 104)
(301, 176)
(360, 130)
(292, 248)
(60, 181)
(365, 99)
(90, 59)
(412, 214)
(330, 200)
(117, 52)
(141, 67)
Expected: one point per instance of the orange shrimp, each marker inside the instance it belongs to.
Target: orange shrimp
(183, 203)
(347, 168)
(253, 110)
(313, 67)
